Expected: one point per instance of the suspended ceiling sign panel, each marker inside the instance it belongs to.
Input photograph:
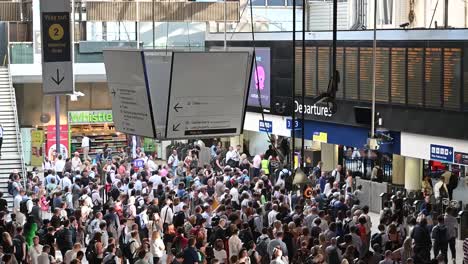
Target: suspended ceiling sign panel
(57, 66)
(178, 95)
(131, 100)
(158, 72)
(208, 94)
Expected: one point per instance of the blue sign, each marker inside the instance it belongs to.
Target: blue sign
(441, 153)
(139, 163)
(298, 124)
(265, 126)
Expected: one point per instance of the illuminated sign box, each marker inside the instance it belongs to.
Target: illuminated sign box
(90, 117)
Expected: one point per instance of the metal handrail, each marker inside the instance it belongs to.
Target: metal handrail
(18, 134)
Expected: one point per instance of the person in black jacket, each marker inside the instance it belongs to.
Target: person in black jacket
(422, 242)
(64, 238)
(440, 236)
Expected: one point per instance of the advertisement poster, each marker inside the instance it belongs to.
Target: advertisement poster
(461, 158)
(51, 142)
(260, 81)
(37, 152)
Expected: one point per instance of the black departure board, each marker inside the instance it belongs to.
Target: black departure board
(365, 73)
(433, 77)
(323, 68)
(339, 68)
(398, 76)
(351, 73)
(452, 77)
(382, 74)
(415, 73)
(298, 67)
(465, 78)
(310, 71)
(419, 76)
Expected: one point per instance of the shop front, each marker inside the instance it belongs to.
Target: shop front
(98, 126)
(438, 158)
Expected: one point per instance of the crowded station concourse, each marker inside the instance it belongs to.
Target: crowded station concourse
(234, 209)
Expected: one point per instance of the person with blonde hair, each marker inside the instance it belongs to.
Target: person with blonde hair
(406, 251)
(156, 246)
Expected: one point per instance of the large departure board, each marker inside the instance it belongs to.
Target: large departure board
(323, 68)
(310, 71)
(398, 76)
(382, 70)
(365, 74)
(351, 73)
(433, 77)
(418, 76)
(452, 77)
(415, 73)
(339, 68)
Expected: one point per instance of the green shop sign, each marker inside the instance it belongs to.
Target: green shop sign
(90, 117)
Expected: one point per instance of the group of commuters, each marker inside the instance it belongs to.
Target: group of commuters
(235, 209)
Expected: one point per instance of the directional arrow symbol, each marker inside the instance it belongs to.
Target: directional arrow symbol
(177, 107)
(58, 80)
(113, 92)
(175, 127)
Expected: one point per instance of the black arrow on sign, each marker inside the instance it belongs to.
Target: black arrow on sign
(58, 80)
(113, 92)
(177, 107)
(175, 127)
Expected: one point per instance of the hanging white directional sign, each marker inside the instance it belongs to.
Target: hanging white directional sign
(207, 95)
(57, 66)
(131, 100)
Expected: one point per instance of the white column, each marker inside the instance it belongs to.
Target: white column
(398, 170)
(36, 32)
(329, 156)
(413, 174)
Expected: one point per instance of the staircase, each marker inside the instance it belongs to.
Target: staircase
(12, 158)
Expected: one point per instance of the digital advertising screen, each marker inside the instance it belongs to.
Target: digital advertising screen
(260, 81)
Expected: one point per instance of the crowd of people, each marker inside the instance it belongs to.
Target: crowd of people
(232, 210)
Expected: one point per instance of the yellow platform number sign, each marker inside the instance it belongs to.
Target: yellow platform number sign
(56, 32)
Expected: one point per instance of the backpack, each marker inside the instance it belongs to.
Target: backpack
(24, 206)
(376, 239)
(443, 191)
(18, 244)
(139, 205)
(11, 188)
(60, 238)
(262, 246)
(252, 258)
(91, 253)
(127, 251)
(333, 257)
(440, 235)
(346, 226)
(179, 219)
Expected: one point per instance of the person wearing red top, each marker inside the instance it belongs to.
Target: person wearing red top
(180, 241)
(362, 229)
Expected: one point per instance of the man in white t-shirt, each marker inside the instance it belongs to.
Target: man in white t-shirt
(336, 173)
(257, 163)
(85, 147)
(173, 160)
(59, 165)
